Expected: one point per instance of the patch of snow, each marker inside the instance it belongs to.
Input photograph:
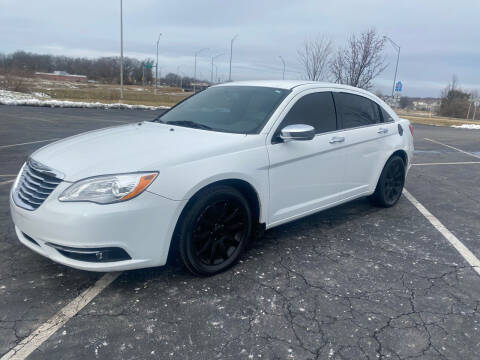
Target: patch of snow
(16, 98)
(40, 95)
(467, 126)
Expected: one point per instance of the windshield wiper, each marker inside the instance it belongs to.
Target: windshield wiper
(188, 123)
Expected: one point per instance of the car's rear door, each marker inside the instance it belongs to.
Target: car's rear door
(305, 176)
(365, 134)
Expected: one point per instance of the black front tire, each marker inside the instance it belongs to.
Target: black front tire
(390, 184)
(214, 230)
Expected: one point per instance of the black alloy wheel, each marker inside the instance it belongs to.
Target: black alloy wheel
(214, 230)
(391, 182)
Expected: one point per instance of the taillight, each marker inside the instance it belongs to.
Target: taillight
(410, 126)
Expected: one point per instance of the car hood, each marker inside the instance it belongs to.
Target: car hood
(142, 146)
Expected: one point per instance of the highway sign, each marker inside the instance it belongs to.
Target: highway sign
(398, 86)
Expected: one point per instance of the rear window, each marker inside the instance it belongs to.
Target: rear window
(386, 116)
(355, 110)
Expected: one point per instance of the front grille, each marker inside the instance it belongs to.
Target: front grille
(36, 183)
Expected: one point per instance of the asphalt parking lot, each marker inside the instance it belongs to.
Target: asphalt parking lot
(353, 282)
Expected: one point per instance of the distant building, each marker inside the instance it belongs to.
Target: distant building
(199, 86)
(62, 76)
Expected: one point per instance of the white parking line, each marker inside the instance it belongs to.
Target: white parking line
(453, 147)
(7, 182)
(27, 143)
(449, 163)
(452, 239)
(47, 329)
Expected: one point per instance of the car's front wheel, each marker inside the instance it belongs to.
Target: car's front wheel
(390, 185)
(214, 230)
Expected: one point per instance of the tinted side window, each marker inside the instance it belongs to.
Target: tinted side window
(386, 117)
(355, 110)
(315, 109)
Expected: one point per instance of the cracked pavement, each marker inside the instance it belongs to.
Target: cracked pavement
(352, 282)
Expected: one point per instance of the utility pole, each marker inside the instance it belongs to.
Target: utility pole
(121, 49)
(211, 71)
(156, 66)
(397, 47)
(231, 53)
(283, 61)
(195, 71)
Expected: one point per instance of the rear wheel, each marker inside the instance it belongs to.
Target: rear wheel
(214, 230)
(390, 185)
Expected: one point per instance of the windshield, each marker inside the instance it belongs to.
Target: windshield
(235, 109)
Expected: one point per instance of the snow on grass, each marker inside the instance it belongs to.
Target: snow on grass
(36, 99)
(467, 126)
(40, 95)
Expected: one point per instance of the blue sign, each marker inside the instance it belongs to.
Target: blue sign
(398, 86)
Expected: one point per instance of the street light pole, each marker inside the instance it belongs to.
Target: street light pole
(195, 71)
(156, 66)
(178, 73)
(211, 71)
(397, 47)
(121, 49)
(283, 61)
(231, 52)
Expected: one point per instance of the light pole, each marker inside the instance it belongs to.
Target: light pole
(216, 73)
(182, 75)
(121, 49)
(397, 47)
(195, 71)
(156, 66)
(283, 62)
(231, 52)
(178, 73)
(211, 72)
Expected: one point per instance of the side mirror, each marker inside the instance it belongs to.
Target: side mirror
(299, 132)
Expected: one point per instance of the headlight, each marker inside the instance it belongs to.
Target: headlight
(17, 179)
(109, 188)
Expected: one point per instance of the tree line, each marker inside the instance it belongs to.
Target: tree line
(104, 69)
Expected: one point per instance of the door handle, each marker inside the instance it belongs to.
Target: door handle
(337, 139)
(382, 131)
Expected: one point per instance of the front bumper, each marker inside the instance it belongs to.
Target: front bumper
(142, 227)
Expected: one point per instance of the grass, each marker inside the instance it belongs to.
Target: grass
(111, 94)
(427, 119)
(104, 93)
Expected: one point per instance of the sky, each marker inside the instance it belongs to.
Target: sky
(438, 38)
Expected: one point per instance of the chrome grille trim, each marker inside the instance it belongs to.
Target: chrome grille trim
(36, 183)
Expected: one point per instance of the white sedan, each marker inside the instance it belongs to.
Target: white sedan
(205, 177)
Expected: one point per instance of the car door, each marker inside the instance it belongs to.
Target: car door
(305, 176)
(361, 121)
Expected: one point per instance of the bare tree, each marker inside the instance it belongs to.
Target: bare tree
(315, 56)
(454, 100)
(360, 61)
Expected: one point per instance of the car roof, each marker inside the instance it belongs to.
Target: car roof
(300, 85)
(291, 84)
